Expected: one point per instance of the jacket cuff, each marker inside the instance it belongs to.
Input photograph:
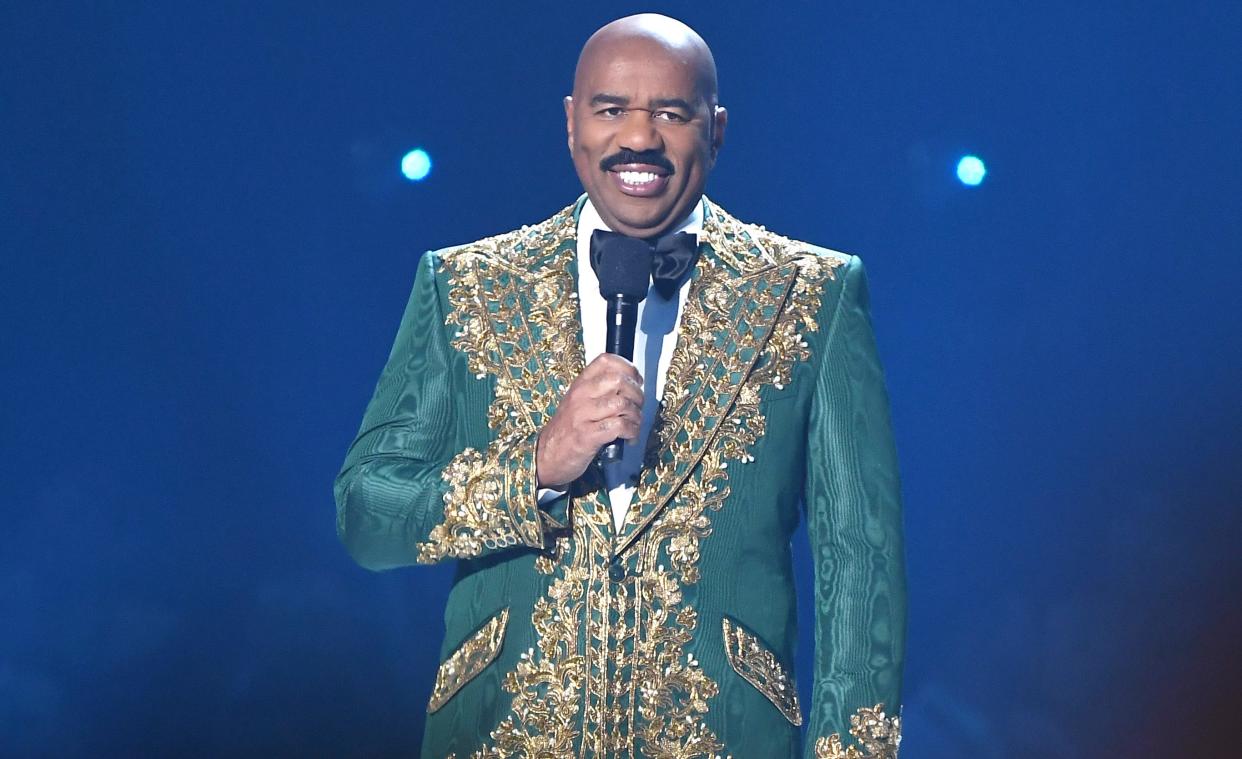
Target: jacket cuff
(878, 736)
(490, 502)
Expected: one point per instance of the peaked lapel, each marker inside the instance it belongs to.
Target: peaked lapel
(515, 297)
(736, 294)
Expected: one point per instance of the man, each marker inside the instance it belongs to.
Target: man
(643, 608)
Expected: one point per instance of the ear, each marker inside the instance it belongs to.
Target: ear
(720, 119)
(569, 122)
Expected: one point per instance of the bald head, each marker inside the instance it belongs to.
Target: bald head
(643, 122)
(650, 33)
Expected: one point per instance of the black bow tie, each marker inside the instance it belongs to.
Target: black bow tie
(672, 256)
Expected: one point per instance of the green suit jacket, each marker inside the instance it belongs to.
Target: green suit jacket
(673, 637)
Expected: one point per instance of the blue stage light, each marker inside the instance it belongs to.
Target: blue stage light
(971, 171)
(416, 165)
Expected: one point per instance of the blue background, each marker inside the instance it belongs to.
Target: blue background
(207, 246)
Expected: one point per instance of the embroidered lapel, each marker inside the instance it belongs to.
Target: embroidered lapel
(737, 293)
(515, 299)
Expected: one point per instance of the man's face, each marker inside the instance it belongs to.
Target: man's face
(643, 136)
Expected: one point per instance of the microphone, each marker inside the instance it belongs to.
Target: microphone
(623, 265)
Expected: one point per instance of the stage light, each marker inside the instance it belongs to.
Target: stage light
(416, 165)
(971, 171)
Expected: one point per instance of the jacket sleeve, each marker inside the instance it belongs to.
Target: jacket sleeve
(853, 504)
(404, 495)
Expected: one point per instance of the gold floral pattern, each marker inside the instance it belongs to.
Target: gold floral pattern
(760, 667)
(513, 300)
(490, 501)
(470, 658)
(614, 671)
(673, 689)
(742, 329)
(878, 734)
(547, 683)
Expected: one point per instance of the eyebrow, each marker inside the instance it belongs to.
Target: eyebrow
(604, 98)
(671, 103)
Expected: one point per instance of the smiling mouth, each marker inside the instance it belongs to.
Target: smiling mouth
(639, 180)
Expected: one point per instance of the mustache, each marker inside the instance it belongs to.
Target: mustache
(623, 157)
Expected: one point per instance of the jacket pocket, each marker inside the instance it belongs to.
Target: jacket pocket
(474, 654)
(758, 666)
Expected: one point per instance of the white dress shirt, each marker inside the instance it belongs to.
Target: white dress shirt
(658, 321)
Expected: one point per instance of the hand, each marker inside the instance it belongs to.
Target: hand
(604, 402)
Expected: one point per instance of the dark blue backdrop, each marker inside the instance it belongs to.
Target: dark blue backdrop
(207, 247)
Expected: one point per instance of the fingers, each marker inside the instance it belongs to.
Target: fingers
(610, 429)
(611, 365)
(604, 403)
(614, 405)
(606, 377)
(612, 375)
(627, 389)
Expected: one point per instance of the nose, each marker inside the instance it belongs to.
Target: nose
(639, 132)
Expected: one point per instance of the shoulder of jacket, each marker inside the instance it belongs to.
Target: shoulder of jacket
(517, 247)
(774, 248)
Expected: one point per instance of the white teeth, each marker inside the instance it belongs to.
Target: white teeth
(637, 177)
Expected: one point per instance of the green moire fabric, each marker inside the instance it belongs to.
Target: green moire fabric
(673, 636)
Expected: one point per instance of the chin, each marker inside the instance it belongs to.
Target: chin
(650, 220)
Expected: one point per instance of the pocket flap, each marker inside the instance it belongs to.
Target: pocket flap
(470, 658)
(751, 659)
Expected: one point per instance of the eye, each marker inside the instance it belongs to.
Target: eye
(672, 116)
(611, 113)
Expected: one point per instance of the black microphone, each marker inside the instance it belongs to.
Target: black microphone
(623, 265)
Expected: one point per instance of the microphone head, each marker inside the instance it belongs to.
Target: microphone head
(623, 266)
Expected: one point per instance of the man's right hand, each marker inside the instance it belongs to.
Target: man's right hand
(604, 402)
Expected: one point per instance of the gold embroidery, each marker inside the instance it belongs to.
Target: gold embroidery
(513, 299)
(879, 735)
(605, 730)
(673, 689)
(760, 667)
(547, 683)
(703, 385)
(515, 303)
(611, 674)
(482, 501)
(470, 658)
(738, 333)
(741, 329)
(752, 248)
(547, 562)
